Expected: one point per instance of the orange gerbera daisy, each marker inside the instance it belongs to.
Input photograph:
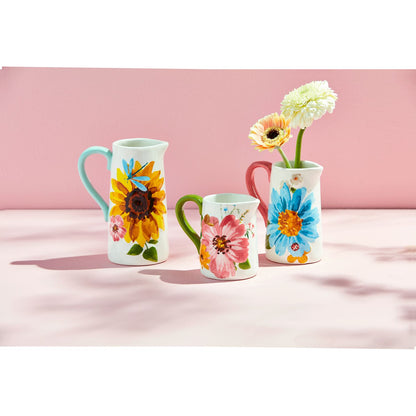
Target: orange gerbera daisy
(142, 211)
(270, 132)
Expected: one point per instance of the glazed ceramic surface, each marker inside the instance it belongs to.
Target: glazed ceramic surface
(227, 244)
(293, 215)
(136, 214)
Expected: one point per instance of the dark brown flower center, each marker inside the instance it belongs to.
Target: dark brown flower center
(272, 133)
(139, 204)
(115, 228)
(221, 244)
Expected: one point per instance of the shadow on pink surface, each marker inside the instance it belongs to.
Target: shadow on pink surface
(121, 305)
(89, 262)
(264, 262)
(357, 288)
(383, 254)
(409, 313)
(100, 261)
(182, 277)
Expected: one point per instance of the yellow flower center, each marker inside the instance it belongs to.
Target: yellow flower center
(272, 135)
(289, 223)
(221, 244)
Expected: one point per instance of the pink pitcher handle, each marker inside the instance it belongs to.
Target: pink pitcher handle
(251, 186)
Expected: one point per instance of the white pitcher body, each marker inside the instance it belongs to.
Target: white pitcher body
(294, 226)
(136, 214)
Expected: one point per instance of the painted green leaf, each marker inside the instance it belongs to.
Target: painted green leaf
(135, 250)
(153, 241)
(268, 242)
(246, 265)
(150, 254)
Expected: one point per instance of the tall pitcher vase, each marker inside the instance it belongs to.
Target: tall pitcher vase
(136, 213)
(293, 213)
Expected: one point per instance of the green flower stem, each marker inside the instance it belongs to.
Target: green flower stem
(285, 159)
(298, 147)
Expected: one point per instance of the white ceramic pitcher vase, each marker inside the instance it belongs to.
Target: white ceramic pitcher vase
(293, 216)
(137, 231)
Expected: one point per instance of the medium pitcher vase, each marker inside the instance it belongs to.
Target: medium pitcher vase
(293, 215)
(137, 231)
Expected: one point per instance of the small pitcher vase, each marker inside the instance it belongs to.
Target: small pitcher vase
(227, 243)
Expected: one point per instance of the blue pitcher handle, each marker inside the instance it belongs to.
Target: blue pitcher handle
(84, 178)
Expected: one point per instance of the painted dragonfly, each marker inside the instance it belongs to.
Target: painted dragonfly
(132, 176)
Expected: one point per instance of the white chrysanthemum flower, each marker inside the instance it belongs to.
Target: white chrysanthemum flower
(307, 103)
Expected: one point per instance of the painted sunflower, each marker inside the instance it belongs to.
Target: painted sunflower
(141, 210)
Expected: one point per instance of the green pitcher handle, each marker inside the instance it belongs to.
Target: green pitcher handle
(183, 222)
(84, 178)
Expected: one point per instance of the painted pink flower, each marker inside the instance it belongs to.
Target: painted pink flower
(225, 244)
(117, 229)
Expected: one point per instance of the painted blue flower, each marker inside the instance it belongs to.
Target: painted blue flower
(292, 221)
(132, 176)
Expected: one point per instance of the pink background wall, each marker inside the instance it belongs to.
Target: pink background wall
(49, 116)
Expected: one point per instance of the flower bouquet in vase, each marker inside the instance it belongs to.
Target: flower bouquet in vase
(293, 215)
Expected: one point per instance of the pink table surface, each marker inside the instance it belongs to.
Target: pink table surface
(58, 288)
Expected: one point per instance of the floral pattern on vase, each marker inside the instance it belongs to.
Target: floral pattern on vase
(117, 229)
(292, 223)
(302, 259)
(224, 246)
(138, 207)
(204, 257)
